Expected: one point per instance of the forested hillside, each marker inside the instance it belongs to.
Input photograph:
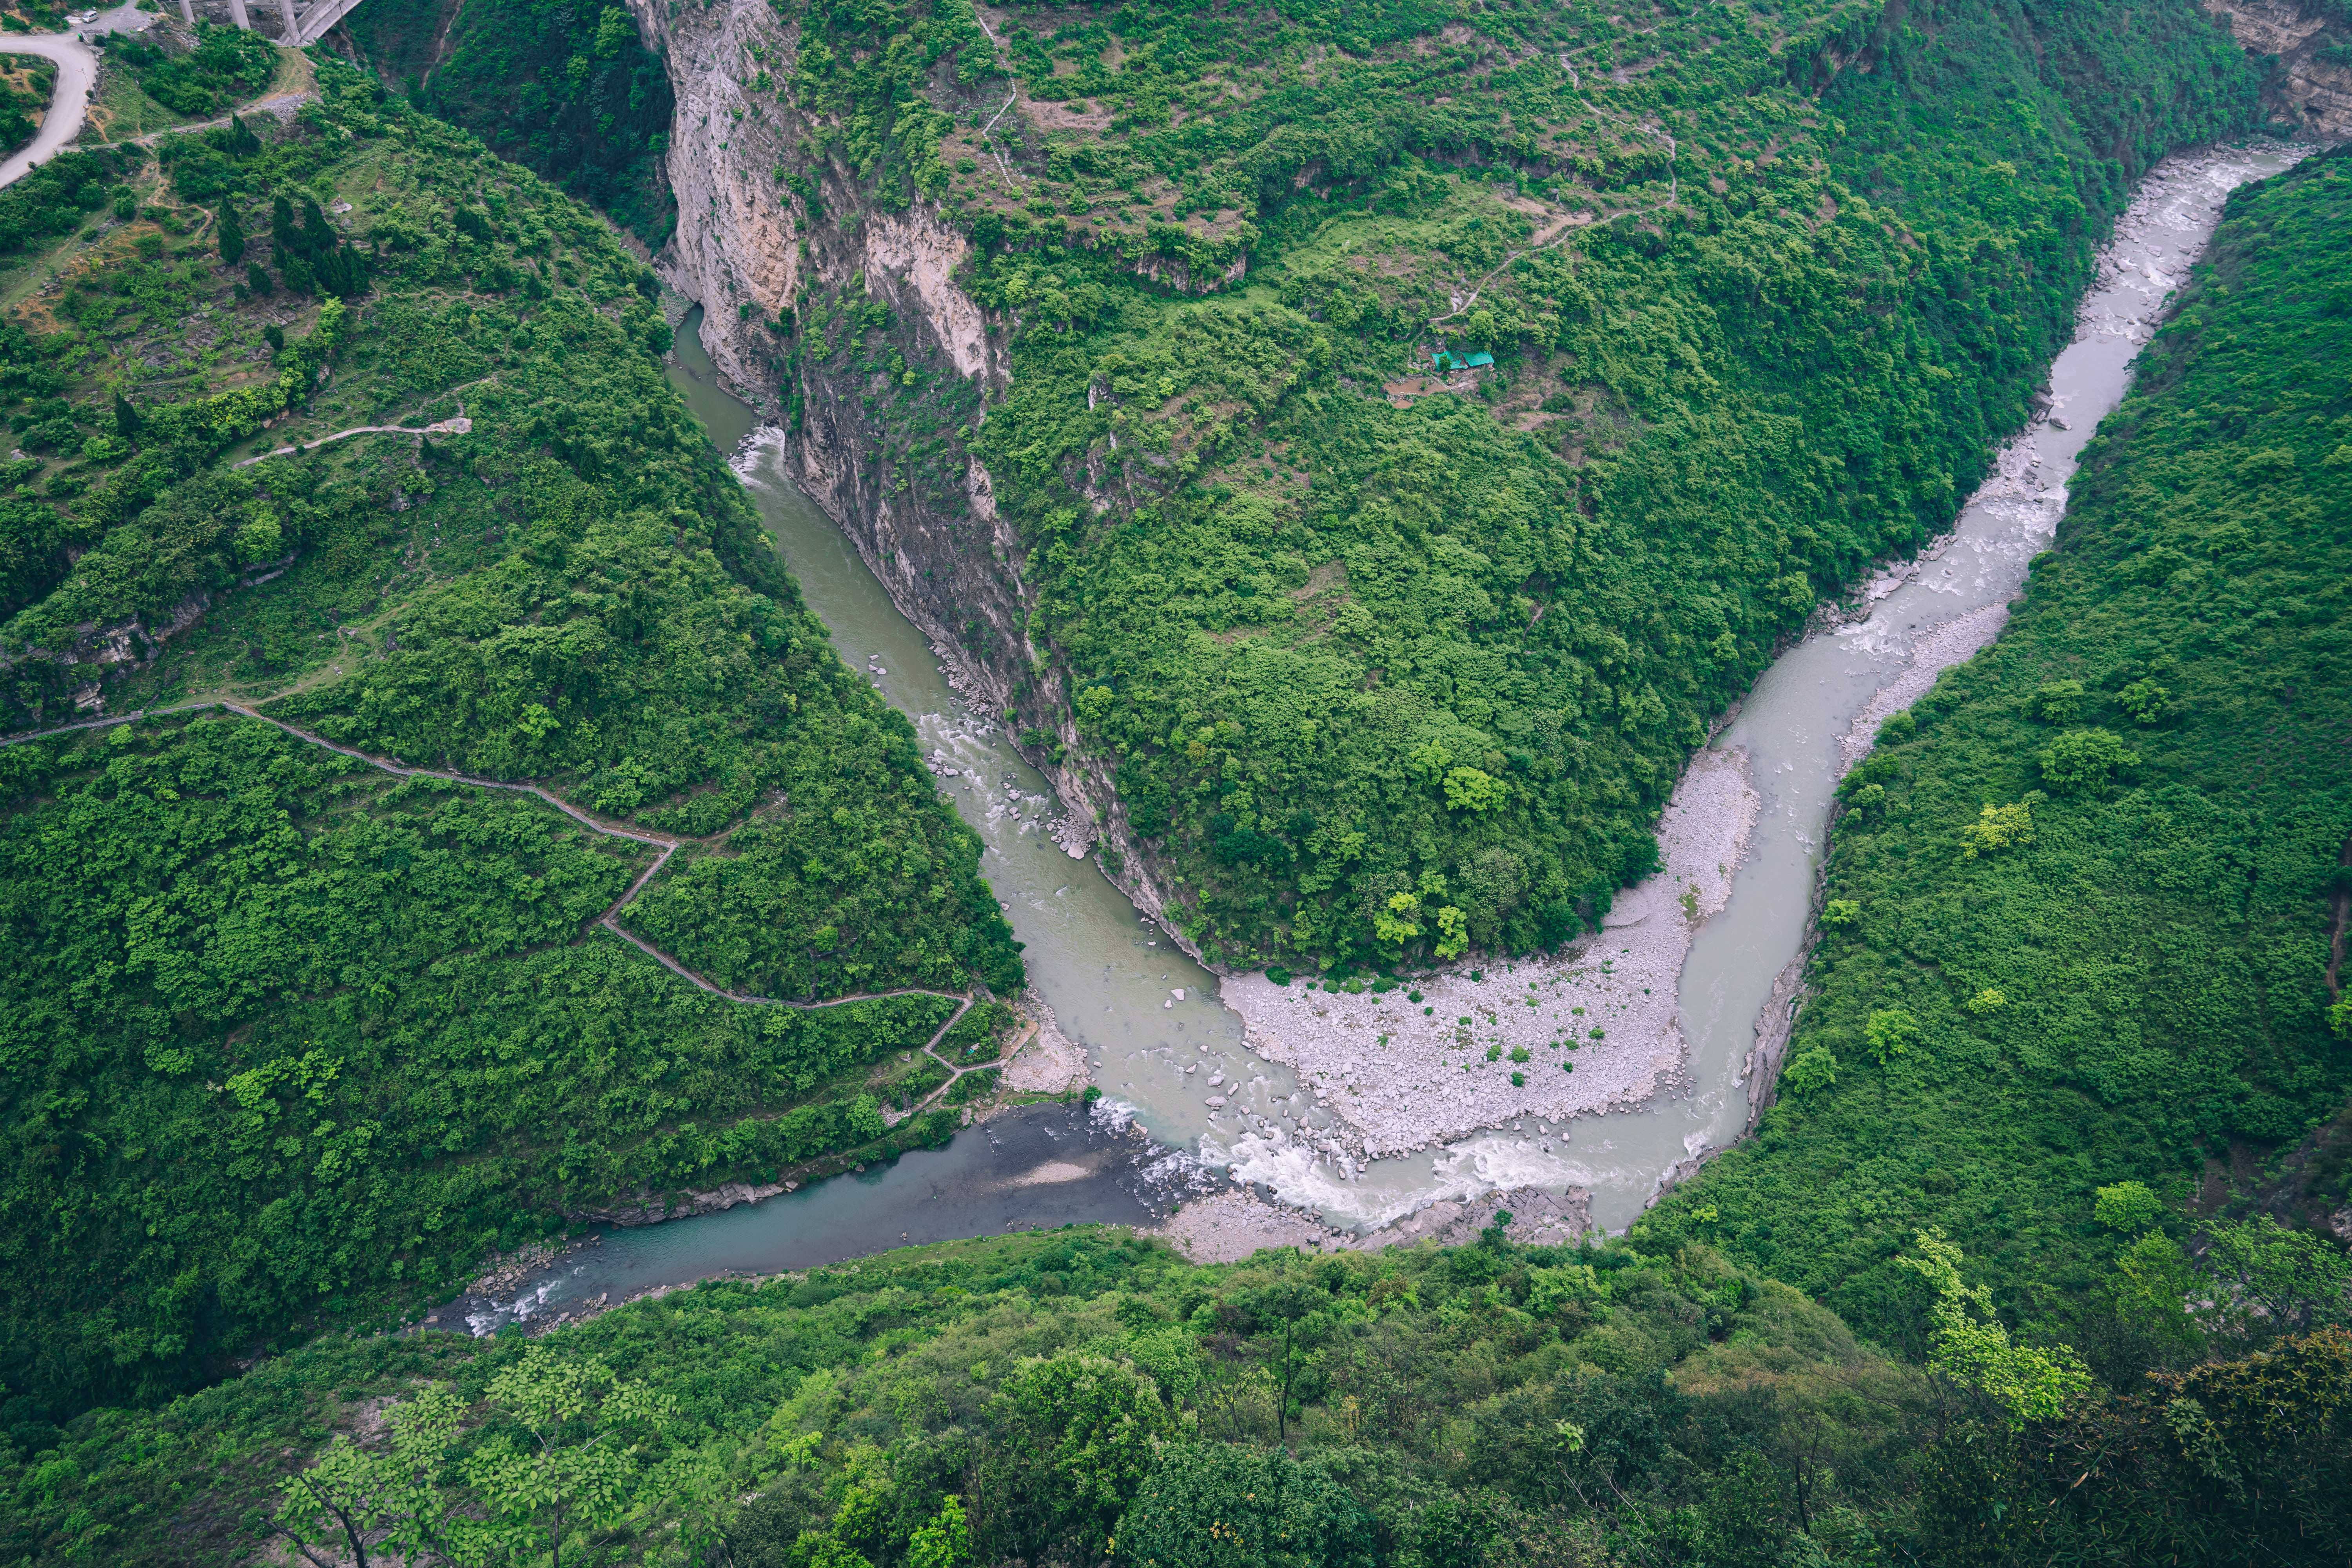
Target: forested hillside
(1078, 1396)
(301, 1013)
(289, 1038)
(1361, 646)
(2087, 900)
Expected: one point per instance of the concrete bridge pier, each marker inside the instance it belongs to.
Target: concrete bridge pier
(292, 36)
(235, 14)
(187, 13)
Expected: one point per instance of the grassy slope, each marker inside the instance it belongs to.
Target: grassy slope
(1341, 653)
(2158, 948)
(287, 1043)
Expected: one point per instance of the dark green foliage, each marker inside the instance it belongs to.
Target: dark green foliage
(2134, 986)
(565, 89)
(228, 65)
(1344, 651)
(282, 1033)
(2238, 1461)
(863, 72)
(55, 199)
(310, 255)
(1080, 1388)
(1211, 1505)
(1083, 1394)
(291, 1043)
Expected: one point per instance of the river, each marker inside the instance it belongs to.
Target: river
(1146, 1013)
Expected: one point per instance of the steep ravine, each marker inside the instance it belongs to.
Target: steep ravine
(748, 249)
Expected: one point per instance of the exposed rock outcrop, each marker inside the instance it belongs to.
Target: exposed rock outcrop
(652, 1208)
(748, 249)
(2311, 84)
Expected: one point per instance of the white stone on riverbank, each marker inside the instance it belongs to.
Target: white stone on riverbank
(1228, 1226)
(1400, 1079)
(1049, 1062)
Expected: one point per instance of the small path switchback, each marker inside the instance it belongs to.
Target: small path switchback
(667, 844)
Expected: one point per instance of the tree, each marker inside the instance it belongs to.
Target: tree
(257, 278)
(1293, 1303)
(575, 1457)
(2269, 1281)
(1890, 1032)
(2082, 759)
(1809, 1072)
(1972, 1349)
(1216, 1505)
(943, 1540)
(2129, 1207)
(232, 235)
(1074, 1436)
(387, 1500)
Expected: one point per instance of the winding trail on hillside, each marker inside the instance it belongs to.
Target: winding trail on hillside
(669, 846)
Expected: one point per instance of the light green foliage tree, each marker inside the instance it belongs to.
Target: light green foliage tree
(1972, 1347)
(1398, 920)
(2150, 1291)
(2057, 701)
(1452, 932)
(1469, 789)
(2144, 700)
(2129, 1207)
(1890, 1032)
(1809, 1072)
(571, 1462)
(1997, 827)
(378, 1503)
(943, 1540)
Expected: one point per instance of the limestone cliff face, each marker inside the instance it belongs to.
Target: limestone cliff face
(2312, 39)
(747, 250)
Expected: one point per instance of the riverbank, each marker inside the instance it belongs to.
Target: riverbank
(1594, 1028)
(1696, 1012)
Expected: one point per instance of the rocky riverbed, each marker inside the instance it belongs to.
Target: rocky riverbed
(1593, 1028)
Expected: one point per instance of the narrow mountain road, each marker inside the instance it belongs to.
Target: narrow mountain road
(77, 65)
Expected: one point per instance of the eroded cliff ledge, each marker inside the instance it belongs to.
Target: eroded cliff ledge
(787, 248)
(2311, 85)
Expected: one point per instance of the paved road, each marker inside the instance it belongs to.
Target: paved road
(77, 77)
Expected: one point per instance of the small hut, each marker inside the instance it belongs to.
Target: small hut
(1444, 360)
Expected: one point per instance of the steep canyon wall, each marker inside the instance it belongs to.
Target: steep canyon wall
(792, 253)
(772, 218)
(2310, 41)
